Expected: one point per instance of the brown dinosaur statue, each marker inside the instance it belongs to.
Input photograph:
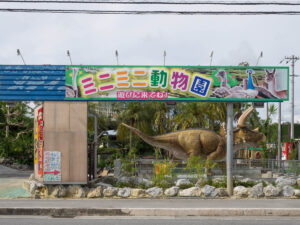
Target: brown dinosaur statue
(206, 143)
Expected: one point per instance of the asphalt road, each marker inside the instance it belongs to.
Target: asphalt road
(152, 203)
(150, 221)
(6, 172)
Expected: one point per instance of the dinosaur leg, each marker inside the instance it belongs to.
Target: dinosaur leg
(219, 154)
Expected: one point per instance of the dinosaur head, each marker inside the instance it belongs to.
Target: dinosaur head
(245, 136)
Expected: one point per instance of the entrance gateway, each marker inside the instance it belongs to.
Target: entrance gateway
(60, 131)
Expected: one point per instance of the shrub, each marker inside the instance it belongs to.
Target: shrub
(162, 176)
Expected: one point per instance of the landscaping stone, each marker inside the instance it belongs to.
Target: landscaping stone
(137, 193)
(103, 185)
(268, 174)
(256, 191)
(76, 191)
(173, 191)
(125, 180)
(220, 192)
(110, 191)
(155, 192)
(283, 181)
(33, 186)
(95, 192)
(297, 192)
(31, 177)
(182, 182)
(246, 180)
(124, 192)
(209, 191)
(58, 191)
(240, 191)
(143, 181)
(288, 191)
(190, 192)
(298, 181)
(271, 191)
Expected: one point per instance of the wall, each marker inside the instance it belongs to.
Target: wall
(65, 130)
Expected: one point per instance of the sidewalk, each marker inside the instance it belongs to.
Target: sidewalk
(151, 207)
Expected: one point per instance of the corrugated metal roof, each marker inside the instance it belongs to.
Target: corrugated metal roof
(32, 82)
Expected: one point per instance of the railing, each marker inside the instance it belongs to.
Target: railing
(244, 167)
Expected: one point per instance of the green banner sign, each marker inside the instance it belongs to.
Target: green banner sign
(177, 83)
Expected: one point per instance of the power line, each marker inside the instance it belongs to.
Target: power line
(141, 12)
(178, 2)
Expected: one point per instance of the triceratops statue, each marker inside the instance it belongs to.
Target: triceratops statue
(203, 142)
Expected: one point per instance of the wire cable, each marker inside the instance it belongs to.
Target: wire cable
(141, 12)
(159, 2)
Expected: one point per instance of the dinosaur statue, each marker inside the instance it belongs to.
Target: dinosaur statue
(206, 143)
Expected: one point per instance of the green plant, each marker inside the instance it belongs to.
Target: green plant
(197, 164)
(163, 171)
(128, 166)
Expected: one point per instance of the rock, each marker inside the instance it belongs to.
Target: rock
(103, 185)
(58, 191)
(297, 192)
(124, 192)
(26, 185)
(170, 192)
(209, 191)
(240, 191)
(31, 177)
(124, 180)
(288, 191)
(137, 193)
(182, 182)
(143, 181)
(75, 191)
(190, 192)
(268, 174)
(155, 192)
(298, 181)
(246, 180)
(256, 191)
(283, 181)
(95, 192)
(110, 191)
(271, 191)
(34, 186)
(220, 192)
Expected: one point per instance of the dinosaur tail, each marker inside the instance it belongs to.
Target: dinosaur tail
(146, 138)
(163, 141)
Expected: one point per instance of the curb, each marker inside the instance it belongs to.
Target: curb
(73, 212)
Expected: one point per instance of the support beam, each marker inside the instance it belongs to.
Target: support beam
(229, 156)
(279, 136)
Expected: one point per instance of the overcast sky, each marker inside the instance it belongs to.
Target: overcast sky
(141, 39)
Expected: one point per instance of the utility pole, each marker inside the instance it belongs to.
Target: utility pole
(292, 59)
(279, 135)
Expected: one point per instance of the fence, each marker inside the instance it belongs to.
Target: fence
(253, 168)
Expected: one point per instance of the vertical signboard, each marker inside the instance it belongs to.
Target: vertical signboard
(52, 166)
(38, 141)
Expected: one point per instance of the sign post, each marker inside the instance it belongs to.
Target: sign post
(229, 153)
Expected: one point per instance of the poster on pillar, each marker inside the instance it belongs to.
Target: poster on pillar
(38, 141)
(177, 83)
(52, 166)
